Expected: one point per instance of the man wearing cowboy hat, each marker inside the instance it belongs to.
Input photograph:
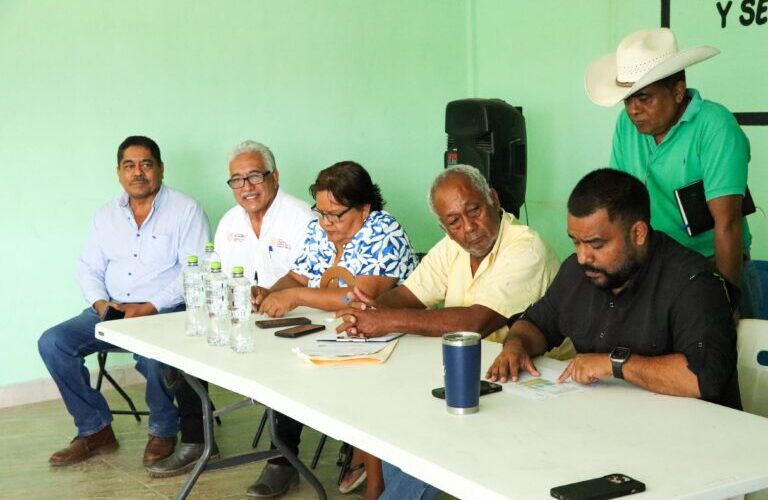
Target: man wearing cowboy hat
(669, 137)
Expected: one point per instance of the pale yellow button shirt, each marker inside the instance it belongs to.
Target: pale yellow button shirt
(514, 275)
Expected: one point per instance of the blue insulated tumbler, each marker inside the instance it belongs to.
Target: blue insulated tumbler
(461, 369)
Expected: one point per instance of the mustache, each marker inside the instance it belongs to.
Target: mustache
(587, 267)
(139, 179)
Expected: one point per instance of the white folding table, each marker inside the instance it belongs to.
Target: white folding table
(514, 447)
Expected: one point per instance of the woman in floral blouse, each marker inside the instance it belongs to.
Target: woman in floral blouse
(351, 231)
(354, 233)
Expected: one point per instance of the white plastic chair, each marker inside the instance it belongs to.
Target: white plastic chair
(752, 339)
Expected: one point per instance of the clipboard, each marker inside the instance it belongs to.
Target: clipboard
(694, 210)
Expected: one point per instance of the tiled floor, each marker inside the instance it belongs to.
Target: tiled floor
(31, 433)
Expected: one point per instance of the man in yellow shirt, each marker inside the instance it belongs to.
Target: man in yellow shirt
(487, 269)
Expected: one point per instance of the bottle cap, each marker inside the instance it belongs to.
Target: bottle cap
(209, 246)
(192, 259)
(215, 266)
(237, 270)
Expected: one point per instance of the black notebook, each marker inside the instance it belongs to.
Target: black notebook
(695, 211)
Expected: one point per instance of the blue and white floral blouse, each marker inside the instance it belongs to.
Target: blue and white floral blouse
(380, 248)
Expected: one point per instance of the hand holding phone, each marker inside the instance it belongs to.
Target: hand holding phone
(111, 313)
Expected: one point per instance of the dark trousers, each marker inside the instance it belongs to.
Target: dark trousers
(191, 421)
(289, 432)
(190, 412)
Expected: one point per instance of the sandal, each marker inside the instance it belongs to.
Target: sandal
(357, 482)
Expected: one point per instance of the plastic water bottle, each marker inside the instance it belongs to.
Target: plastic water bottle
(194, 297)
(209, 255)
(240, 310)
(217, 299)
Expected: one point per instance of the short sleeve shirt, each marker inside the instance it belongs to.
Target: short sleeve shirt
(514, 275)
(380, 248)
(673, 304)
(269, 256)
(706, 144)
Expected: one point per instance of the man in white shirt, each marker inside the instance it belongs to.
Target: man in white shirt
(264, 233)
(130, 263)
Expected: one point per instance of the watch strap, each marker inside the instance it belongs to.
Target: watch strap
(617, 367)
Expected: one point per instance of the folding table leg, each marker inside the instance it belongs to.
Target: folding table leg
(202, 463)
(260, 430)
(207, 435)
(293, 459)
(318, 451)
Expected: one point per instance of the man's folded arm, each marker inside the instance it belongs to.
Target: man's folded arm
(435, 322)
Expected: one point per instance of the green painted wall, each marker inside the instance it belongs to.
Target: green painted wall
(319, 81)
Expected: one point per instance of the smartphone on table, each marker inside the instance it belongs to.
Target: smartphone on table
(282, 322)
(485, 388)
(299, 331)
(601, 488)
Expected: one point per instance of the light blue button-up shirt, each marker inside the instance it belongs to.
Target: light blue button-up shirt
(124, 263)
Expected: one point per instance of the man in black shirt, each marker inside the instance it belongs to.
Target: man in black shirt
(637, 304)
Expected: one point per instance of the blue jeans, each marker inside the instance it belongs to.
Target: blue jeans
(63, 349)
(401, 486)
(753, 296)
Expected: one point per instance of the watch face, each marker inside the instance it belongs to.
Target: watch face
(620, 354)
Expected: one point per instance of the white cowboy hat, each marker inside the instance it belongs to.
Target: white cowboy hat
(642, 58)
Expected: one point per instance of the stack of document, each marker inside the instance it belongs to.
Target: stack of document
(328, 351)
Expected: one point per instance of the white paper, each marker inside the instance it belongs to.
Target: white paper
(341, 349)
(544, 386)
(342, 337)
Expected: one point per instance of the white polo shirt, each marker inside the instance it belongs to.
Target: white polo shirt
(283, 231)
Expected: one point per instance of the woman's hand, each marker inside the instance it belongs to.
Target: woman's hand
(258, 294)
(277, 304)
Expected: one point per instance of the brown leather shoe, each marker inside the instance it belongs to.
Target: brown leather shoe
(81, 448)
(158, 448)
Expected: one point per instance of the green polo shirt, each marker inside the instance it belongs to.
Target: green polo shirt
(705, 144)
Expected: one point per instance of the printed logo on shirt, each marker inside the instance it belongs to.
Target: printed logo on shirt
(278, 243)
(235, 237)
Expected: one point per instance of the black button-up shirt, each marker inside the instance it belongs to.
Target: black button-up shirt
(673, 304)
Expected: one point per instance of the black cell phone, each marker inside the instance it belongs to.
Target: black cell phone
(299, 331)
(485, 388)
(601, 488)
(112, 313)
(282, 322)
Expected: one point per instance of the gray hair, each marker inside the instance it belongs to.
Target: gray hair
(470, 173)
(255, 147)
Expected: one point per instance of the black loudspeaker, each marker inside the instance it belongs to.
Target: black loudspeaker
(489, 134)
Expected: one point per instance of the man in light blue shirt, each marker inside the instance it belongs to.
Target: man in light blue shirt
(131, 263)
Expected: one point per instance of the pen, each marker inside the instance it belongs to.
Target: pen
(347, 300)
(351, 339)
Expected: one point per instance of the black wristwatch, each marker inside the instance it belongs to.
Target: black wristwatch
(619, 356)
